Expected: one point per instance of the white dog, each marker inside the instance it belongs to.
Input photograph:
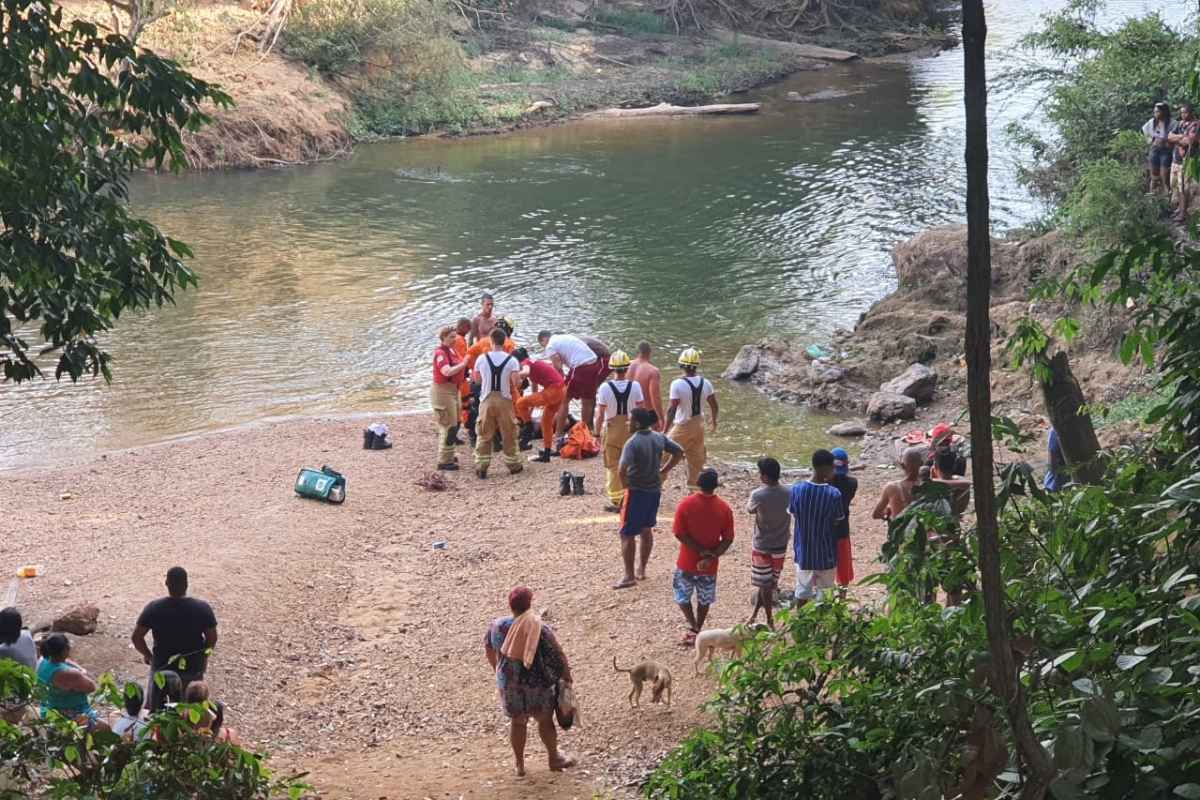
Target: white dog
(710, 641)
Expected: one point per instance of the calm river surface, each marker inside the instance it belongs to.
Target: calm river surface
(321, 287)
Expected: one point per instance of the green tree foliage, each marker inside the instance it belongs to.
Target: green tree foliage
(1102, 89)
(83, 110)
(173, 761)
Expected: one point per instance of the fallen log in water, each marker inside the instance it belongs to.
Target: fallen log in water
(805, 50)
(668, 110)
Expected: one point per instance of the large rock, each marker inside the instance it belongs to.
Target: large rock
(889, 406)
(849, 428)
(744, 364)
(822, 370)
(80, 620)
(918, 382)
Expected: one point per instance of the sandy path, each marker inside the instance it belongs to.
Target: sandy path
(348, 645)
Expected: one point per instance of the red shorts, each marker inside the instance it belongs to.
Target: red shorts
(845, 562)
(584, 382)
(765, 568)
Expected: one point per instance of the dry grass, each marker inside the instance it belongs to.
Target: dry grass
(283, 114)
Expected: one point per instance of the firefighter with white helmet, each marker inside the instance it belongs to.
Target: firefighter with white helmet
(685, 416)
(616, 398)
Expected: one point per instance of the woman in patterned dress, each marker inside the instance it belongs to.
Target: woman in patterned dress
(529, 664)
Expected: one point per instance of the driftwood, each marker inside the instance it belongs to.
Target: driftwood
(805, 50)
(668, 110)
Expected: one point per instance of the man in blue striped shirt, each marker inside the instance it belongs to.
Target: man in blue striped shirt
(816, 507)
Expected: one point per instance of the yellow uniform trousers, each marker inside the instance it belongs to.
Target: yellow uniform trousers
(616, 433)
(446, 402)
(689, 435)
(496, 414)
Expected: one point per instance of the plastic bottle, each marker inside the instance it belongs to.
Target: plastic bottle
(29, 571)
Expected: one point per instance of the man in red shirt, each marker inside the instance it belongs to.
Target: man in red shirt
(704, 528)
(549, 392)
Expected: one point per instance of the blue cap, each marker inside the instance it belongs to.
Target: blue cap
(841, 461)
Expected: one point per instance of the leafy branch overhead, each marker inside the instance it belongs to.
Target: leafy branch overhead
(92, 110)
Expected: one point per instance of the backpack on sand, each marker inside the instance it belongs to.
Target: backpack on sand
(323, 484)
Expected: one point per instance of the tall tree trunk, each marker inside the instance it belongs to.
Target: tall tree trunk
(1076, 436)
(1005, 680)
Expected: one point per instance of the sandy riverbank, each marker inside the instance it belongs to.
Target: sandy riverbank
(348, 645)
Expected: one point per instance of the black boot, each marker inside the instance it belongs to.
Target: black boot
(527, 436)
(564, 484)
(543, 457)
(577, 485)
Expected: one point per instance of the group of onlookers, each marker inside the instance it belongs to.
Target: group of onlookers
(1172, 142)
(183, 630)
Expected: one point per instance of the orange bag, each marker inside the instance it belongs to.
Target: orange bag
(580, 443)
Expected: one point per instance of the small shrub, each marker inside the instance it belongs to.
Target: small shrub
(632, 21)
(1108, 204)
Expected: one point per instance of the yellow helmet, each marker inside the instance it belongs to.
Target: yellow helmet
(507, 325)
(689, 358)
(619, 360)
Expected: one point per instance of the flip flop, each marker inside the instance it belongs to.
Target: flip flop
(688, 639)
(624, 584)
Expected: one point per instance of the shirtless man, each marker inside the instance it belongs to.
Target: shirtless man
(649, 378)
(485, 320)
(898, 494)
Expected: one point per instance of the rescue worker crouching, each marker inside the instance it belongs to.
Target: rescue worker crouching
(685, 416)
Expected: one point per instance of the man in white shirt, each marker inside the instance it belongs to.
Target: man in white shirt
(496, 372)
(685, 416)
(586, 364)
(617, 397)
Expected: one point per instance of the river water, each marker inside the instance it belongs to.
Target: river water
(321, 287)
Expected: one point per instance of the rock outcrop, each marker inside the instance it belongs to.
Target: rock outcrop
(849, 428)
(744, 364)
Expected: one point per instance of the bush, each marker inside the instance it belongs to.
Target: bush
(58, 758)
(1108, 204)
(894, 702)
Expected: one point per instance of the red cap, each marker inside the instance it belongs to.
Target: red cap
(520, 599)
(940, 431)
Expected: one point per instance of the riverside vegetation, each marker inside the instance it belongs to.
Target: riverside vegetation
(308, 79)
(1099, 580)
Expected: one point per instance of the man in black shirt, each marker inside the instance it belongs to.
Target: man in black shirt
(184, 629)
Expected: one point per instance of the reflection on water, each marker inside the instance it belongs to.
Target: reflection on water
(322, 287)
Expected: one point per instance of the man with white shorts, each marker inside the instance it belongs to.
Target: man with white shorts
(816, 507)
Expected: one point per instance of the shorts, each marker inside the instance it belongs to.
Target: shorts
(639, 511)
(584, 381)
(765, 569)
(1160, 160)
(686, 584)
(811, 581)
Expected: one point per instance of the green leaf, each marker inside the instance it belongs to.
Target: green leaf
(1100, 719)
(1126, 662)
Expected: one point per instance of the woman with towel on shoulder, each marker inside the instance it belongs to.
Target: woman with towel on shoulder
(529, 663)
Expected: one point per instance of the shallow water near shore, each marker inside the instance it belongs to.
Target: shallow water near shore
(322, 287)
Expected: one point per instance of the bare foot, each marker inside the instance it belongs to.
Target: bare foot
(563, 761)
(641, 576)
(520, 770)
(624, 583)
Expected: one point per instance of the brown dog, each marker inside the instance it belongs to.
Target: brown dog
(658, 676)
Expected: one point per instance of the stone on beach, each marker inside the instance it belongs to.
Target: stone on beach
(890, 406)
(918, 382)
(848, 428)
(80, 620)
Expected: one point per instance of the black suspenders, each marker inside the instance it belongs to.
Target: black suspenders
(497, 371)
(622, 399)
(697, 393)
